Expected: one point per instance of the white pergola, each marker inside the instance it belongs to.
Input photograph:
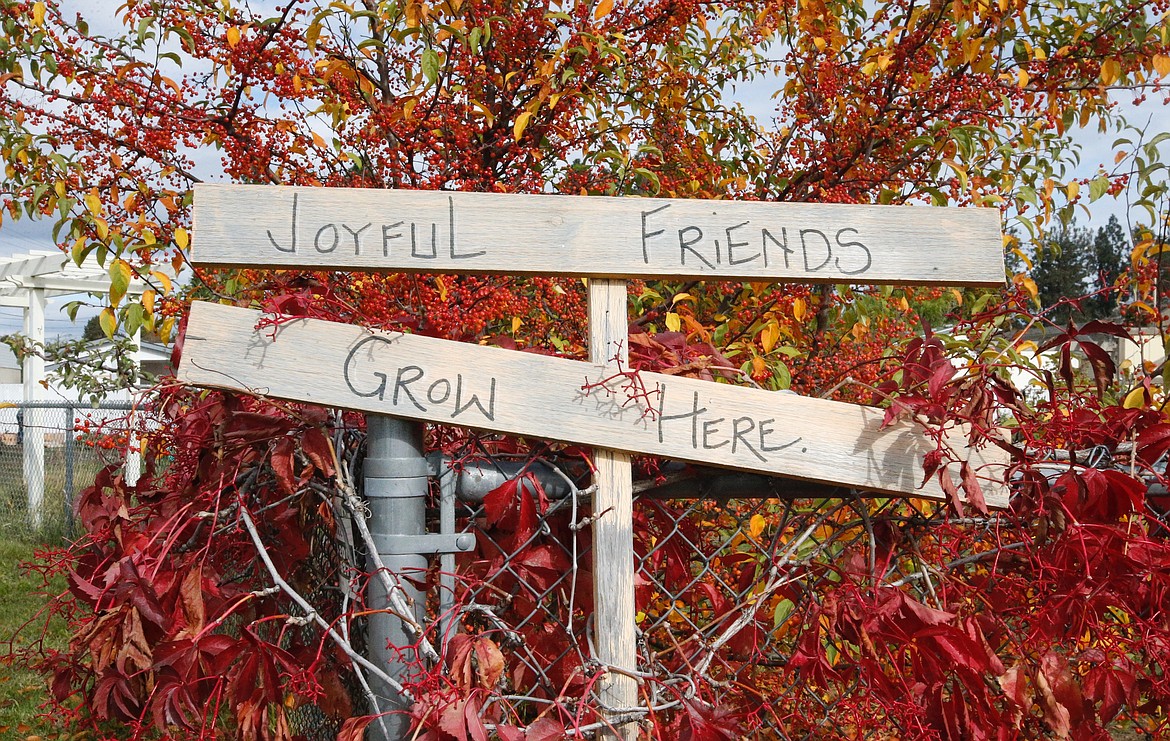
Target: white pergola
(28, 281)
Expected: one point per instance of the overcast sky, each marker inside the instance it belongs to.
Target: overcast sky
(21, 236)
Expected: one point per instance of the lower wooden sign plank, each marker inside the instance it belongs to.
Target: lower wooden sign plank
(447, 231)
(441, 381)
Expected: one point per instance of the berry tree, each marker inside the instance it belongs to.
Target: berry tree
(1050, 616)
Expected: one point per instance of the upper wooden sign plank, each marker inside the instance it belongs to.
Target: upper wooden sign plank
(446, 231)
(537, 396)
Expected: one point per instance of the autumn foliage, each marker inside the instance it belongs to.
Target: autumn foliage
(795, 615)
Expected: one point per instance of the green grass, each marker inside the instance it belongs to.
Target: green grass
(22, 691)
(15, 523)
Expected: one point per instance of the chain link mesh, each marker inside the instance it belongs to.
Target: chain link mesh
(49, 451)
(725, 585)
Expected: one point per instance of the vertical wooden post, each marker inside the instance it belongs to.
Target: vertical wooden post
(132, 466)
(34, 417)
(613, 531)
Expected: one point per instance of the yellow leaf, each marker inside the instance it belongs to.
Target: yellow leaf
(312, 34)
(1073, 189)
(162, 278)
(673, 322)
(869, 68)
(1022, 78)
(820, 43)
(442, 286)
(108, 321)
(93, 203)
(1135, 399)
(1032, 289)
(1138, 256)
(768, 336)
(683, 297)
(1162, 64)
(1023, 257)
(758, 366)
(521, 124)
(604, 8)
(181, 238)
(38, 14)
(233, 36)
(1110, 71)
(756, 526)
(517, 322)
(799, 309)
(958, 295)
(148, 301)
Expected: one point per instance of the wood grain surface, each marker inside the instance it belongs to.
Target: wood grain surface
(441, 231)
(615, 631)
(487, 388)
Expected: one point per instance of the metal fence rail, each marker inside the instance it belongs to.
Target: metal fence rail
(725, 587)
(49, 452)
(723, 583)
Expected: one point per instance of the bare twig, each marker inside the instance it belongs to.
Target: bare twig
(314, 616)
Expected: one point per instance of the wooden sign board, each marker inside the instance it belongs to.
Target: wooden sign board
(446, 231)
(445, 382)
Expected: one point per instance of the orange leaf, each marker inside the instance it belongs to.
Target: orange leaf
(756, 526)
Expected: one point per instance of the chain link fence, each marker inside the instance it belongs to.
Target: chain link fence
(729, 583)
(50, 451)
(728, 567)
(737, 578)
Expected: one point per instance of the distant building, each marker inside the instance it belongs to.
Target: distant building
(9, 366)
(1146, 350)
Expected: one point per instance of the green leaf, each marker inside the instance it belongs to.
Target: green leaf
(133, 318)
(1098, 187)
(430, 65)
(784, 610)
(781, 376)
(120, 273)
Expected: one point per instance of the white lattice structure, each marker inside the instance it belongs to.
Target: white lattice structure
(27, 281)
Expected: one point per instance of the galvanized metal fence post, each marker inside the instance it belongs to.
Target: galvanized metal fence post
(395, 478)
(395, 484)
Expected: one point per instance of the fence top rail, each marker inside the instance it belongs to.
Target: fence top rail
(66, 404)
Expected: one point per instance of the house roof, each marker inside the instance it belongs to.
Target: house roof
(56, 273)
